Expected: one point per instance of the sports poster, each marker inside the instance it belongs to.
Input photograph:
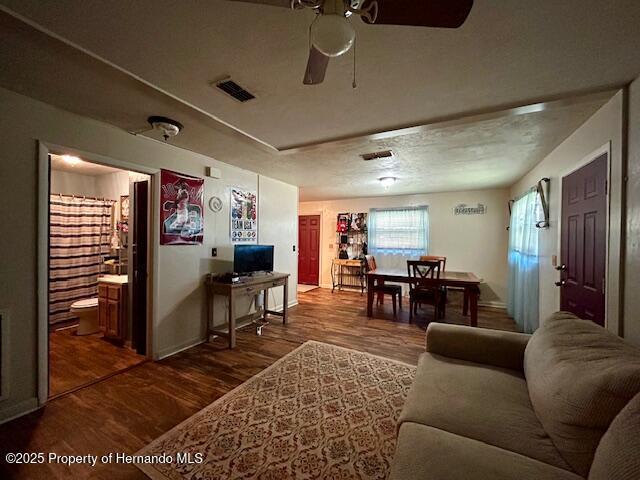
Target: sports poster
(244, 216)
(181, 209)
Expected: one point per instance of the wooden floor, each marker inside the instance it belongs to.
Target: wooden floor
(78, 360)
(125, 412)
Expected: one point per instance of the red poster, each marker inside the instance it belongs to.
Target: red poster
(181, 209)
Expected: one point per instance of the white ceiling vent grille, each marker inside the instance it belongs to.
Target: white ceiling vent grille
(234, 90)
(376, 155)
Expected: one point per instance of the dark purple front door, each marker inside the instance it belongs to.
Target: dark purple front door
(584, 241)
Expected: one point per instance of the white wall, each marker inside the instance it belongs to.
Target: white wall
(278, 205)
(631, 327)
(603, 127)
(70, 183)
(180, 304)
(476, 243)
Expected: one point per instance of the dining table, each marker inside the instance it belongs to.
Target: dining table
(467, 281)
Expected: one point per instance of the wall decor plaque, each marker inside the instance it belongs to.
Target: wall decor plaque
(464, 209)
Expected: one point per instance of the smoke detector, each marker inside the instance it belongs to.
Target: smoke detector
(166, 126)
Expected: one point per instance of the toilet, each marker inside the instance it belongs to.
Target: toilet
(87, 312)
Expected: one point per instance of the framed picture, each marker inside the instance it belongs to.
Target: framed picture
(181, 209)
(124, 208)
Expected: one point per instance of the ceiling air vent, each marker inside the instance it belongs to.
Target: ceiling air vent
(376, 155)
(234, 90)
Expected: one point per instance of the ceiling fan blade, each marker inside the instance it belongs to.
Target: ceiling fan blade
(274, 3)
(316, 67)
(425, 13)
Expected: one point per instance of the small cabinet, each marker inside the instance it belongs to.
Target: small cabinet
(112, 310)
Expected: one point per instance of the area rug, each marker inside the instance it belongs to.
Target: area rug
(306, 288)
(320, 412)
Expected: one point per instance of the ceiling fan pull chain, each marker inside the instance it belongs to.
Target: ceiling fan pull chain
(354, 84)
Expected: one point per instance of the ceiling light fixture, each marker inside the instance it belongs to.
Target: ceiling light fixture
(387, 181)
(71, 160)
(167, 126)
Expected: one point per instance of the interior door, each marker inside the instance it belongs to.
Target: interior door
(139, 266)
(309, 249)
(584, 241)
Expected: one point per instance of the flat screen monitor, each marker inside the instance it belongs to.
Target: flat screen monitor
(253, 258)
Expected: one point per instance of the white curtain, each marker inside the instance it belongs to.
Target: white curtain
(397, 235)
(399, 231)
(523, 262)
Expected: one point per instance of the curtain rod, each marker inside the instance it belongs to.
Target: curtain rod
(104, 199)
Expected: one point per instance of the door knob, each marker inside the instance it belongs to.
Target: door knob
(561, 283)
(561, 268)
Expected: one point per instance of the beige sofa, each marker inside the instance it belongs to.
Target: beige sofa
(563, 404)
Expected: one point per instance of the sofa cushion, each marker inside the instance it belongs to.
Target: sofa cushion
(579, 377)
(618, 454)
(482, 402)
(427, 453)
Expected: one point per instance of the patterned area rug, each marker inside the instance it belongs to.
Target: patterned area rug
(320, 412)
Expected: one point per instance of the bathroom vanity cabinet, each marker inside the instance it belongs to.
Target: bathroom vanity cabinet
(113, 291)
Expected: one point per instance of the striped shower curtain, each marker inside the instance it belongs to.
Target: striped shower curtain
(79, 234)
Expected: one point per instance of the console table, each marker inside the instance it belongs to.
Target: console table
(348, 273)
(246, 287)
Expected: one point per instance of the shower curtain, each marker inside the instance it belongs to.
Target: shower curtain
(79, 235)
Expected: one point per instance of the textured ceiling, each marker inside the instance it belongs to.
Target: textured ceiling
(162, 55)
(507, 53)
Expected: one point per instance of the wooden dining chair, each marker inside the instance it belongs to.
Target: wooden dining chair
(425, 287)
(395, 291)
(443, 266)
(435, 258)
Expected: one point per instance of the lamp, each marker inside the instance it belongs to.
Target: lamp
(332, 34)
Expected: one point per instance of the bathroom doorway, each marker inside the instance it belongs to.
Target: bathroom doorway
(98, 271)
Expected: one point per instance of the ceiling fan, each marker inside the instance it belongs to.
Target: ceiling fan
(331, 33)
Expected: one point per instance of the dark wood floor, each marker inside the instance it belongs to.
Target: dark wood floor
(127, 411)
(78, 360)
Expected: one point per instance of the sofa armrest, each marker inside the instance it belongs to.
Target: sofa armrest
(480, 345)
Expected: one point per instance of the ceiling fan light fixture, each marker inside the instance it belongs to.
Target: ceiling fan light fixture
(332, 34)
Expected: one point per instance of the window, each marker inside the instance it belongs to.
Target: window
(399, 231)
(523, 233)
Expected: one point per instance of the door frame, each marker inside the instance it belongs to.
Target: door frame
(613, 258)
(320, 247)
(44, 182)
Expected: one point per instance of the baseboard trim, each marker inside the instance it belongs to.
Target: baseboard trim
(493, 304)
(19, 409)
(167, 352)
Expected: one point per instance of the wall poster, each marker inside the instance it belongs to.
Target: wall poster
(181, 209)
(244, 216)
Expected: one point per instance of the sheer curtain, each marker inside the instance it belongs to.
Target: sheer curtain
(397, 235)
(399, 231)
(523, 262)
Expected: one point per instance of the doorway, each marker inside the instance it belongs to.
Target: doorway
(309, 249)
(98, 219)
(583, 247)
